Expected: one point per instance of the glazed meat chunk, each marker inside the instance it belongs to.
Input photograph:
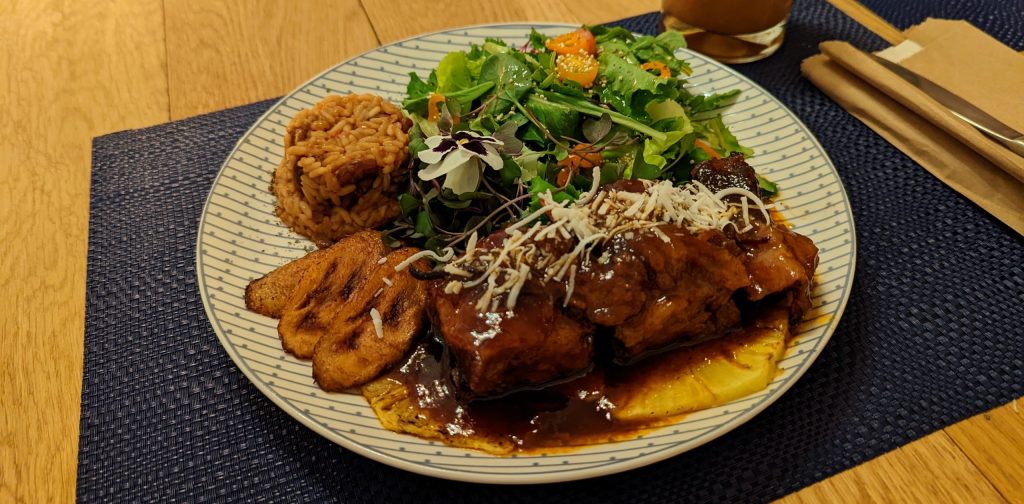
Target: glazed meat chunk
(691, 282)
(494, 352)
(778, 261)
(611, 287)
(723, 173)
(784, 263)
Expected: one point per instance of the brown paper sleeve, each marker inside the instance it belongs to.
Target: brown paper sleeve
(941, 153)
(869, 70)
(973, 65)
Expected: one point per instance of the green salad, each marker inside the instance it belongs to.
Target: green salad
(495, 127)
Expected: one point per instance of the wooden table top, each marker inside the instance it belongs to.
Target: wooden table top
(71, 71)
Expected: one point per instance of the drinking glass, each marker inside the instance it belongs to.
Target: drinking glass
(731, 31)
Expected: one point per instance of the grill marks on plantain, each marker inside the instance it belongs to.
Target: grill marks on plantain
(353, 351)
(327, 317)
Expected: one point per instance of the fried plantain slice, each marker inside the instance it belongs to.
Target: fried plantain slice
(268, 295)
(339, 277)
(352, 351)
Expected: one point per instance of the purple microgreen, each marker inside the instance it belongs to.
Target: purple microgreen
(596, 130)
(444, 122)
(506, 134)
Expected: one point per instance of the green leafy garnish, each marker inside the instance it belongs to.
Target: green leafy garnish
(714, 132)
(642, 123)
(511, 80)
(453, 73)
(768, 188)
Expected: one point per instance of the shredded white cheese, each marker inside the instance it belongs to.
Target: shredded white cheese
(594, 185)
(661, 234)
(589, 222)
(743, 192)
(448, 254)
(378, 325)
(521, 277)
(471, 245)
(572, 285)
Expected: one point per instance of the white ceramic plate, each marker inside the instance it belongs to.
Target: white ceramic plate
(240, 239)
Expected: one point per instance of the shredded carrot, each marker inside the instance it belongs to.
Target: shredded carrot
(434, 106)
(659, 66)
(583, 157)
(707, 148)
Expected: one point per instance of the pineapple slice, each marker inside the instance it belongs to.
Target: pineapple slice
(398, 411)
(681, 381)
(697, 378)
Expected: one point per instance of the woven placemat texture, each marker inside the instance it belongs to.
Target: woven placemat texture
(933, 333)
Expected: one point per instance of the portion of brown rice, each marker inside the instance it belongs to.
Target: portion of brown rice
(344, 162)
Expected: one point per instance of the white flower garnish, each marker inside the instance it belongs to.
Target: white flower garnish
(460, 157)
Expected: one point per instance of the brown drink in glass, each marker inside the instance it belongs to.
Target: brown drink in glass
(731, 31)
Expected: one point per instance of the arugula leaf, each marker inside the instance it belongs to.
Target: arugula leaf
(591, 109)
(537, 40)
(619, 48)
(453, 73)
(511, 80)
(461, 99)
(768, 188)
(495, 41)
(530, 164)
(417, 93)
(475, 52)
(466, 96)
(622, 79)
(642, 170)
(675, 129)
(715, 133)
(678, 169)
(484, 123)
(560, 120)
(416, 87)
(416, 139)
(662, 48)
(697, 155)
(707, 102)
(610, 172)
(510, 171)
(671, 40)
(534, 134)
(604, 33)
(539, 186)
(567, 87)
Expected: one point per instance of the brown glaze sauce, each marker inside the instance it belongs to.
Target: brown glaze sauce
(559, 417)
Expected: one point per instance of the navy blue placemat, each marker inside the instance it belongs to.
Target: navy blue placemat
(932, 333)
